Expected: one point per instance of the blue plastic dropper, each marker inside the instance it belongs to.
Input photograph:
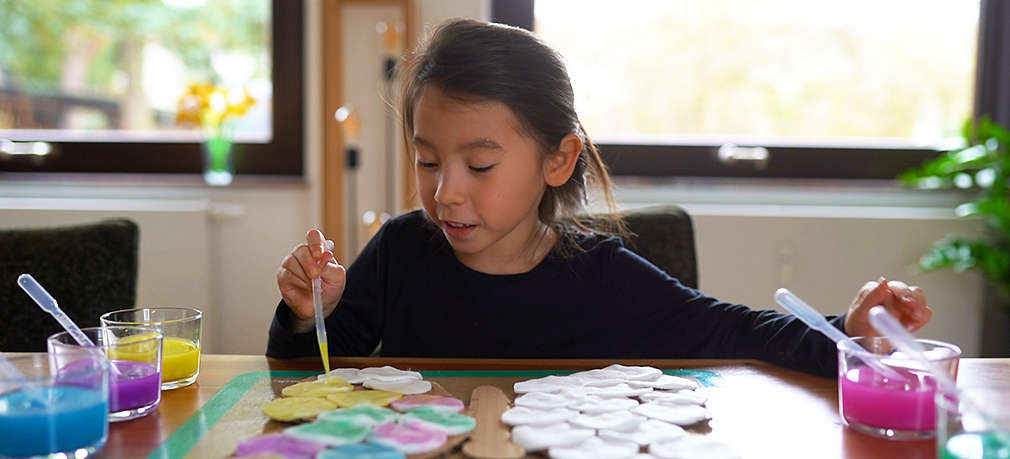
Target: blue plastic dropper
(816, 321)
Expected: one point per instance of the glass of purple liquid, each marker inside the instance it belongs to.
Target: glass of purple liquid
(900, 409)
(134, 355)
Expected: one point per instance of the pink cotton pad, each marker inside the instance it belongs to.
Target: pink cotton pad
(283, 445)
(437, 402)
(406, 439)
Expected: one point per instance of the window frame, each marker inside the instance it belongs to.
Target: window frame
(281, 156)
(991, 98)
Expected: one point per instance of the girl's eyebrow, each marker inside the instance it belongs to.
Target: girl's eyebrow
(483, 143)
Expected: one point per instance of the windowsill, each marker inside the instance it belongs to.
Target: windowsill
(146, 185)
(738, 192)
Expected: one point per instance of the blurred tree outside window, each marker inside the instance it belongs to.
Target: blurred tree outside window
(897, 74)
(114, 70)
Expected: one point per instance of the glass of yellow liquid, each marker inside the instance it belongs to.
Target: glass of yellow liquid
(181, 327)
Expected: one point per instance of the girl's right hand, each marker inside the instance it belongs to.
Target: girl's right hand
(307, 261)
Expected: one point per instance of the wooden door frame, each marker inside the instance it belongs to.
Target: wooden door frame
(334, 224)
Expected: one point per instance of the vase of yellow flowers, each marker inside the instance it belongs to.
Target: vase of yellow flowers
(215, 110)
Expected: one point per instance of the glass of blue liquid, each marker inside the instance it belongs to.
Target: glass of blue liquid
(964, 431)
(53, 412)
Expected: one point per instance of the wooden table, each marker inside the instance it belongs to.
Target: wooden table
(759, 409)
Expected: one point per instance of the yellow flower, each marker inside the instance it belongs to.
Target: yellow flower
(210, 106)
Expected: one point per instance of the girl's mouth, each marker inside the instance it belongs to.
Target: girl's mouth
(458, 230)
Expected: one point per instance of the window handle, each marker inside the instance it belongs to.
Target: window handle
(730, 154)
(9, 148)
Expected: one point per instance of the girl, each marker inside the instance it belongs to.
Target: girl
(495, 265)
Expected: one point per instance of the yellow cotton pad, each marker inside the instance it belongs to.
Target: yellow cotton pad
(317, 388)
(295, 408)
(363, 397)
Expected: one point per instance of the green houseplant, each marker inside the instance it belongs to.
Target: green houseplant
(982, 164)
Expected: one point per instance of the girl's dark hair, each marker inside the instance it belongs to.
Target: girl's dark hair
(475, 60)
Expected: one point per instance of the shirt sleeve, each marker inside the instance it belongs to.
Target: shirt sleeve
(688, 324)
(354, 328)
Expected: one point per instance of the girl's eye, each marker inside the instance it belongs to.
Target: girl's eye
(425, 165)
(481, 169)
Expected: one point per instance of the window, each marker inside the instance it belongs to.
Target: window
(101, 81)
(782, 88)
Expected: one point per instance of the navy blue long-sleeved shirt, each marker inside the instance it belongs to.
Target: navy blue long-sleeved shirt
(409, 290)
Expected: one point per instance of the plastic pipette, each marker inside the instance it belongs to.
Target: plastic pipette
(816, 321)
(885, 323)
(48, 304)
(19, 380)
(317, 305)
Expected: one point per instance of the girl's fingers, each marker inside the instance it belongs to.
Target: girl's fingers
(307, 261)
(333, 273)
(316, 243)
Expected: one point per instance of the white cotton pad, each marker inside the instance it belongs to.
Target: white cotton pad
(595, 448)
(535, 438)
(549, 383)
(347, 374)
(643, 456)
(620, 390)
(547, 400)
(683, 415)
(636, 373)
(388, 371)
(528, 416)
(408, 388)
(666, 382)
(390, 379)
(693, 446)
(597, 405)
(684, 397)
(648, 432)
(598, 373)
(614, 420)
(588, 383)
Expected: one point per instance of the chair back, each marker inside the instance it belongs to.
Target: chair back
(664, 235)
(89, 269)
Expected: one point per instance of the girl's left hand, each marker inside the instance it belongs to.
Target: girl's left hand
(904, 302)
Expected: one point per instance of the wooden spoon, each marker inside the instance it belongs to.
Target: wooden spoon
(491, 438)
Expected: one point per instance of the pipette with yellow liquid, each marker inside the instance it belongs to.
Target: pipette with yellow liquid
(317, 304)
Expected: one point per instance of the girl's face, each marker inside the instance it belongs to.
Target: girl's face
(479, 177)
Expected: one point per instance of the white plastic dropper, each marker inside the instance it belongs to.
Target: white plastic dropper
(48, 304)
(317, 305)
(816, 321)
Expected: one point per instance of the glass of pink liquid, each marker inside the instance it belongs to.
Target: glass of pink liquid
(872, 403)
(134, 355)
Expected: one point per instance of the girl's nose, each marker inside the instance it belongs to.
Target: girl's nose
(450, 189)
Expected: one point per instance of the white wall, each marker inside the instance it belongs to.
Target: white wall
(219, 249)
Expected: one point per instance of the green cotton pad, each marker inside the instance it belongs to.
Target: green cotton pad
(433, 419)
(366, 415)
(361, 451)
(330, 432)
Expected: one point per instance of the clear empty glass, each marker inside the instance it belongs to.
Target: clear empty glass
(54, 410)
(181, 327)
(135, 361)
(877, 405)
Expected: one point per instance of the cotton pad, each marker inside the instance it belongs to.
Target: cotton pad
(407, 439)
(317, 388)
(333, 433)
(367, 415)
(406, 388)
(684, 397)
(648, 432)
(361, 451)
(666, 382)
(546, 400)
(282, 445)
(296, 408)
(683, 415)
(536, 438)
(347, 374)
(521, 415)
(388, 371)
(363, 397)
(597, 405)
(614, 420)
(636, 373)
(693, 446)
(432, 419)
(595, 448)
(438, 402)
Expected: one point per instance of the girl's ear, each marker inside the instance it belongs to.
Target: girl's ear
(558, 166)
